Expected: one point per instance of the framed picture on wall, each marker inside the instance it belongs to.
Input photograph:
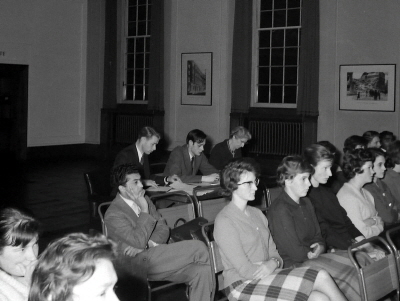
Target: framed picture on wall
(367, 87)
(196, 79)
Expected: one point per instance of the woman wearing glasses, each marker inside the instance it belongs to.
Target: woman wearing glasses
(252, 264)
(229, 149)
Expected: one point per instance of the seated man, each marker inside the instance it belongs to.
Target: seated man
(137, 154)
(186, 160)
(141, 234)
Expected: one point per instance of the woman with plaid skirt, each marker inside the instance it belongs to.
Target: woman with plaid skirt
(252, 264)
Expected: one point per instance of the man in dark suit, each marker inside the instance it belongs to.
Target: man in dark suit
(137, 153)
(185, 161)
(141, 233)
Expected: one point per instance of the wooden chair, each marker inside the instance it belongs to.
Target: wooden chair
(215, 257)
(99, 189)
(380, 277)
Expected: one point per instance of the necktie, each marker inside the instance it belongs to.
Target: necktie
(192, 162)
(142, 160)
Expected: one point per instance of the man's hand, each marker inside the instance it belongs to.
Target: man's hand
(139, 199)
(265, 269)
(210, 178)
(131, 251)
(174, 178)
(317, 249)
(149, 183)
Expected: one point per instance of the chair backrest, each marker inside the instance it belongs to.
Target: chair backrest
(98, 182)
(380, 277)
(393, 238)
(202, 196)
(215, 256)
(102, 211)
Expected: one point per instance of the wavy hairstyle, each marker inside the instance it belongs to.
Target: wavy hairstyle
(240, 132)
(352, 142)
(290, 167)
(369, 135)
(376, 152)
(230, 175)
(119, 173)
(17, 228)
(353, 162)
(67, 262)
(316, 153)
(393, 154)
(148, 132)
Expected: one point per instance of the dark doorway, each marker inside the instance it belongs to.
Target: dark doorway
(13, 111)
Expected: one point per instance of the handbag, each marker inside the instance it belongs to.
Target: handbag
(190, 230)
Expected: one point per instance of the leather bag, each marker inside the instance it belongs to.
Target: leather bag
(190, 230)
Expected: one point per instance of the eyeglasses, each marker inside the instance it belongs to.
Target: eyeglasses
(256, 182)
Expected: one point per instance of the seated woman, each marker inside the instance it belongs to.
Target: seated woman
(386, 138)
(19, 234)
(229, 149)
(385, 203)
(358, 202)
(75, 267)
(251, 262)
(372, 138)
(392, 176)
(295, 229)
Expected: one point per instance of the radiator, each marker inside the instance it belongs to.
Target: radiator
(127, 127)
(276, 137)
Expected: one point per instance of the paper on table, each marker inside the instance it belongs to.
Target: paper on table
(159, 188)
(183, 186)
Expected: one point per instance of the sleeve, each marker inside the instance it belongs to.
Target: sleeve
(353, 209)
(387, 213)
(124, 157)
(174, 167)
(272, 250)
(205, 167)
(228, 240)
(283, 229)
(215, 157)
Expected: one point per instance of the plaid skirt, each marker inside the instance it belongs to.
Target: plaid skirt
(284, 285)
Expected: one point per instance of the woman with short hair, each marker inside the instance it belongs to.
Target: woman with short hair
(229, 149)
(74, 268)
(357, 201)
(252, 264)
(19, 233)
(372, 138)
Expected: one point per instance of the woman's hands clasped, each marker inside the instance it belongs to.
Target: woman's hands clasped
(265, 269)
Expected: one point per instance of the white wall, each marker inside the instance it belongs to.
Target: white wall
(198, 26)
(50, 37)
(355, 32)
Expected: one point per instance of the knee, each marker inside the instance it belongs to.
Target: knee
(323, 276)
(199, 251)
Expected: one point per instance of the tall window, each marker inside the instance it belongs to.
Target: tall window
(137, 47)
(276, 52)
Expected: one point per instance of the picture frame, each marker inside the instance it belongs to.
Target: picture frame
(196, 78)
(368, 87)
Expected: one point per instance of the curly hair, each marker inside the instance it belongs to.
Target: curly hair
(316, 153)
(393, 154)
(119, 173)
(67, 262)
(353, 162)
(376, 152)
(230, 175)
(17, 228)
(352, 142)
(290, 167)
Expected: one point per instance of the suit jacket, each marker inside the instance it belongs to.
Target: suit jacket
(129, 155)
(180, 165)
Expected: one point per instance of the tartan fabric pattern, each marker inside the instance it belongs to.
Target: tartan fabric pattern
(284, 285)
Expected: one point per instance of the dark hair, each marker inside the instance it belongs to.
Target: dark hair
(316, 153)
(240, 132)
(17, 228)
(386, 133)
(352, 142)
(376, 152)
(369, 135)
(393, 154)
(67, 262)
(119, 173)
(231, 173)
(148, 132)
(353, 162)
(196, 136)
(290, 167)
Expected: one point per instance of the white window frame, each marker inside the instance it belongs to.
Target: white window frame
(255, 59)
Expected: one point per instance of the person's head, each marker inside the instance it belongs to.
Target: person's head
(393, 154)
(358, 163)
(386, 138)
(127, 178)
(372, 138)
(148, 139)
(320, 159)
(239, 137)
(378, 162)
(74, 268)
(195, 141)
(240, 178)
(19, 234)
(333, 150)
(354, 142)
(293, 174)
